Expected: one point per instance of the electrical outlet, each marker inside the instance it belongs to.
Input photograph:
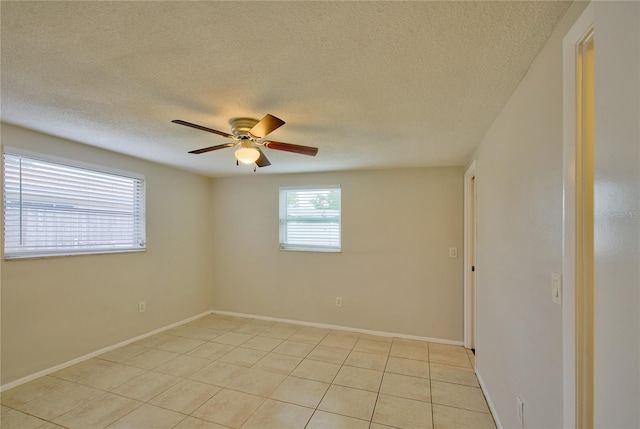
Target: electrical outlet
(453, 252)
(520, 411)
(338, 301)
(142, 306)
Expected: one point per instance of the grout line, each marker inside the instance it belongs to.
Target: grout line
(384, 371)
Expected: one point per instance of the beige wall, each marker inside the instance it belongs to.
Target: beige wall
(519, 245)
(617, 215)
(57, 309)
(394, 273)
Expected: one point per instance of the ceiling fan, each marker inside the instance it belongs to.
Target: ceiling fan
(248, 135)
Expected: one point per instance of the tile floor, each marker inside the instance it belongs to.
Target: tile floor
(229, 372)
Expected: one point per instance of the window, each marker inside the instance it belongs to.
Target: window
(59, 207)
(310, 219)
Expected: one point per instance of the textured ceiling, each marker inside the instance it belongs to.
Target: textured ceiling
(371, 84)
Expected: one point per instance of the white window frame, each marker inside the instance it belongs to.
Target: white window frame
(284, 242)
(70, 251)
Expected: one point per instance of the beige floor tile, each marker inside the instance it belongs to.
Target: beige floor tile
(181, 344)
(250, 328)
(300, 391)
(472, 358)
(229, 408)
(349, 402)
(232, 338)
(378, 338)
(453, 374)
(260, 322)
(196, 332)
(329, 354)
(414, 368)
(324, 420)
(278, 415)
(14, 419)
(366, 360)
(82, 370)
(275, 362)
(211, 351)
(369, 346)
(406, 387)
(242, 356)
(193, 423)
(60, 401)
(262, 343)
(147, 386)
(379, 426)
(154, 341)
(344, 333)
(359, 378)
(450, 357)
(238, 319)
(402, 413)
(218, 373)
(339, 341)
(409, 352)
(455, 395)
(108, 378)
(454, 418)
(280, 330)
(98, 413)
(186, 396)
(50, 425)
(183, 366)
(123, 353)
(151, 359)
(148, 416)
(257, 382)
(316, 370)
(221, 324)
(313, 330)
(446, 348)
(309, 335)
(24, 393)
(412, 343)
(293, 348)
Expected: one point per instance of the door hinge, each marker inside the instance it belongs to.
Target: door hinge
(473, 268)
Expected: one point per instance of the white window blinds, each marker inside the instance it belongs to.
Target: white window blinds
(310, 219)
(58, 208)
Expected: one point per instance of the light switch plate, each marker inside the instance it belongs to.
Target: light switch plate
(453, 252)
(556, 288)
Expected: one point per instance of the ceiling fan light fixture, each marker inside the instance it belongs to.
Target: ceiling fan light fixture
(247, 155)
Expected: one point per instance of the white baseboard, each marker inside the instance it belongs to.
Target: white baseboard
(91, 355)
(494, 413)
(339, 328)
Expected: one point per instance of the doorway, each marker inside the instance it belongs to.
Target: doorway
(578, 234)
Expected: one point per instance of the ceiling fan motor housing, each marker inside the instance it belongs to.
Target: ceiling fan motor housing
(240, 127)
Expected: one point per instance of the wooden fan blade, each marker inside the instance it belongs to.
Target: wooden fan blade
(210, 148)
(295, 148)
(262, 161)
(200, 127)
(266, 125)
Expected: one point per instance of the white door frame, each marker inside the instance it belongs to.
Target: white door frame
(469, 253)
(569, 335)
